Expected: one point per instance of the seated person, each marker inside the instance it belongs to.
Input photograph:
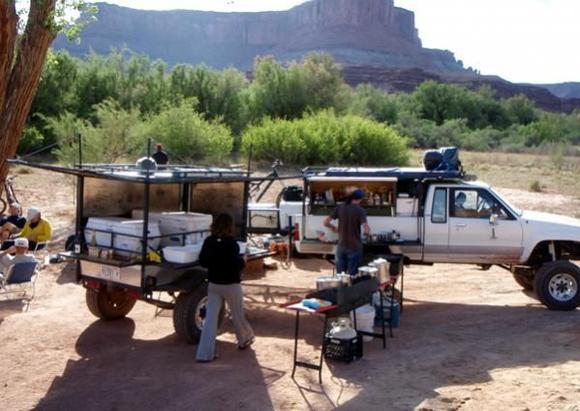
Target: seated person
(13, 223)
(21, 255)
(36, 230)
(460, 210)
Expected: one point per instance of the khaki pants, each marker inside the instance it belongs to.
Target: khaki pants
(217, 293)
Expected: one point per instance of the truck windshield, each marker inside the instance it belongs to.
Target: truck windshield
(507, 203)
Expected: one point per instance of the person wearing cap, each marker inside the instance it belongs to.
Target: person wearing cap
(12, 223)
(351, 217)
(21, 255)
(37, 229)
(160, 156)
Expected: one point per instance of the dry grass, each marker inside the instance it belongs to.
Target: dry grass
(554, 175)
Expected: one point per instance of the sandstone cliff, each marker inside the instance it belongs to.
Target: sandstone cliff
(371, 32)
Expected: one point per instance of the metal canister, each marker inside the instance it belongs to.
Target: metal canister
(382, 266)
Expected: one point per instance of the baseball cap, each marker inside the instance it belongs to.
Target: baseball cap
(21, 242)
(32, 212)
(358, 194)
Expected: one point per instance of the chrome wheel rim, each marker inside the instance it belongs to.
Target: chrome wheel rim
(200, 312)
(563, 287)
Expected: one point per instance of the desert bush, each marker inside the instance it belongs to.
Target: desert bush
(31, 139)
(108, 141)
(536, 186)
(368, 101)
(325, 138)
(186, 135)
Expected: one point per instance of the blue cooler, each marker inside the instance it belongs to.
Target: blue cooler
(386, 315)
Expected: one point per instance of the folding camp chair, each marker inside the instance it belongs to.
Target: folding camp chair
(18, 278)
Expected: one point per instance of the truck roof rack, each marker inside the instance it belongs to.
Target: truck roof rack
(401, 173)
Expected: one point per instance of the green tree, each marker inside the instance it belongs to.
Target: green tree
(520, 109)
(22, 56)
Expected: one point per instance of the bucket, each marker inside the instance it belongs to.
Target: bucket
(365, 320)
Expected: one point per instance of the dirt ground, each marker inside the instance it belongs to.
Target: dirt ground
(469, 340)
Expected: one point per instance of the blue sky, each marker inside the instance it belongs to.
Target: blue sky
(533, 41)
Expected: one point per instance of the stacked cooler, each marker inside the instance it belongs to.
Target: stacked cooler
(179, 247)
(100, 229)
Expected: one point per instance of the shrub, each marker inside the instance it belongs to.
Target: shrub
(325, 138)
(31, 139)
(535, 186)
(186, 135)
(108, 141)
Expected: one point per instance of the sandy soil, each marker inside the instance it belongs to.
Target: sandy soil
(469, 339)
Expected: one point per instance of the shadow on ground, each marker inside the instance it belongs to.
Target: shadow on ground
(438, 345)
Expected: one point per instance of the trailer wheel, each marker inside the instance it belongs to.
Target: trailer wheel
(109, 304)
(189, 314)
(557, 285)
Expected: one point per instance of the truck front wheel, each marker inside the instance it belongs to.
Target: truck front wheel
(189, 314)
(557, 285)
(109, 304)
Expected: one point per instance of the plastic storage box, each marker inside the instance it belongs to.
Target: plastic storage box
(103, 229)
(172, 224)
(182, 254)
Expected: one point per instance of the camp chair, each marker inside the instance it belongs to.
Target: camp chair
(18, 277)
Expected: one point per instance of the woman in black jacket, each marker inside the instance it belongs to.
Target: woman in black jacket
(220, 254)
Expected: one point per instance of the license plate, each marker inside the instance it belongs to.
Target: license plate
(110, 273)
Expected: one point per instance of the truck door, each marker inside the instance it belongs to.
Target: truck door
(472, 236)
(436, 232)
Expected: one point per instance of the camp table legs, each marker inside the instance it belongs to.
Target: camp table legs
(382, 335)
(311, 366)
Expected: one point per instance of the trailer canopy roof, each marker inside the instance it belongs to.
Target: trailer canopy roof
(163, 175)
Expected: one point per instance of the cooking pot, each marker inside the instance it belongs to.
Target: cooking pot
(325, 282)
(366, 271)
(382, 267)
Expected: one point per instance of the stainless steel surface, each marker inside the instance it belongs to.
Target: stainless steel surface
(382, 266)
(325, 282)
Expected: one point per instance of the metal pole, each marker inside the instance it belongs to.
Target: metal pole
(250, 159)
(78, 247)
(80, 138)
(145, 236)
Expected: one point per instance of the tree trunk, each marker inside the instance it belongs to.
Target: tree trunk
(19, 76)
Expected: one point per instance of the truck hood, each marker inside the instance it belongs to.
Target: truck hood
(534, 217)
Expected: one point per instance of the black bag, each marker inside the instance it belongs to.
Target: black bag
(432, 159)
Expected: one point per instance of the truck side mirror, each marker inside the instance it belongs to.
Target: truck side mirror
(493, 219)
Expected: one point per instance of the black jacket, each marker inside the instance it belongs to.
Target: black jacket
(221, 256)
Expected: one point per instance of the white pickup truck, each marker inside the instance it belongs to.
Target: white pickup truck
(441, 217)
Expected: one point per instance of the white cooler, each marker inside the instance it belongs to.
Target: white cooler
(182, 254)
(120, 225)
(179, 222)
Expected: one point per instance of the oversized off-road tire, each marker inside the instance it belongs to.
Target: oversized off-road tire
(109, 304)
(189, 314)
(557, 285)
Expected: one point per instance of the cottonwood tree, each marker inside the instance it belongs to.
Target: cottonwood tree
(27, 28)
